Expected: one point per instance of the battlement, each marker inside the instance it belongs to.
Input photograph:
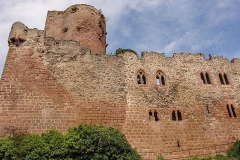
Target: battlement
(183, 57)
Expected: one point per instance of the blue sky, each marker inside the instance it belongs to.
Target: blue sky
(165, 26)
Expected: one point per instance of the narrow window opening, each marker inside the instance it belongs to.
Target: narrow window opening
(179, 115)
(202, 78)
(208, 79)
(157, 80)
(150, 115)
(156, 116)
(138, 79)
(225, 78)
(207, 110)
(163, 81)
(233, 111)
(221, 78)
(144, 79)
(178, 144)
(173, 116)
(229, 113)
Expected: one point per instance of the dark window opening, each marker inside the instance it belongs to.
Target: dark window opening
(207, 78)
(179, 115)
(65, 29)
(221, 78)
(225, 78)
(229, 113)
(143, 79)
(138, 79)
(150, 115)
(233, 111)
(78, 28)
(207, 109)
(178, 144)
(173, 116)
(202, 78)
(163, 81)
(156, 116)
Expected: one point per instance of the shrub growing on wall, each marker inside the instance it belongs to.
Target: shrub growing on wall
(84, 142)
(121, 50)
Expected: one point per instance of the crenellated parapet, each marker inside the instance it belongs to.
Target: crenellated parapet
(183, 57)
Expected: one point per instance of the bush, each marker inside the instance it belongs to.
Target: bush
(234, 151)
(98, 142)
(6, 148)
(84, 142)
(121, 50)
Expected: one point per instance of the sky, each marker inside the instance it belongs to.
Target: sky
(165, 26)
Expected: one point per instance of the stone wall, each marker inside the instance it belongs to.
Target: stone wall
(178, 106)
(204, 120)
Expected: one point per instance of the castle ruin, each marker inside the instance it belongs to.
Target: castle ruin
(59, 77)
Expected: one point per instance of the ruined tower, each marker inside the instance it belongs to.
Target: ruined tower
(82, 23)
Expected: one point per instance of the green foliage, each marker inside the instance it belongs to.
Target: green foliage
(234, 151)
(84, 142)
(54, 141)
(98, 142)
(121, 50)
(217, 157)
(159, 157)
(6, 148)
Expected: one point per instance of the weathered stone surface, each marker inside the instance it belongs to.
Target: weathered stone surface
(59, 78)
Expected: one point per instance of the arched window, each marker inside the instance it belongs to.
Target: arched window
(160, 80)
(163, 81)
(233, 111)
(150, 115)
(156, 116)
(207, 78)
(202, 78)
(179, 115)
(229, 112)
(141, 79)
(225, 79)
(173, 116)
(176, 115)
(221, 78)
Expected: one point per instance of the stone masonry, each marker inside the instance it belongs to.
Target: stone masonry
(57, 78)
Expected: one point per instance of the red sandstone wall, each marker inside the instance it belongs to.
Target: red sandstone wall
(81, 23)
(33, 99)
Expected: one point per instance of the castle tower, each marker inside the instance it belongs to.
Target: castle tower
(81, 23)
